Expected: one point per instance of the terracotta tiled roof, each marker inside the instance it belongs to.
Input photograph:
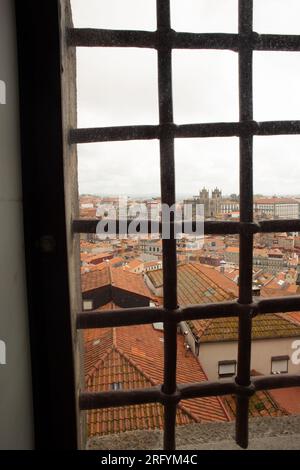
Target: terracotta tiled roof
(261, 404)
(198, 283)
(96, 279)
(292, 289)
(156, 277)
(232, 249)
(133, 356)
(288, 398)
(89, 268)
(88, 213)
(114, 261)
(117, 277)
(293, 316)
(135, 263)
(130, 282)
(263, 327)
(95, 258)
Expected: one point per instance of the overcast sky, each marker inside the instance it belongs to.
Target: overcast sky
(119, 87)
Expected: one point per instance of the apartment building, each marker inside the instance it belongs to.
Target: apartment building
(277, 208)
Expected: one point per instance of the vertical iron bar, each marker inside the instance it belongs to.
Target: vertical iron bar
(246, 215)
(168, 196)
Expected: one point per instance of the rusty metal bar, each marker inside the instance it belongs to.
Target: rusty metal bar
(217, 228)
(210, 227)
(168, 197)
(90, 401)
(246, 217)
(112, 134)
(219, 129)
(88, 37)
(144, 315)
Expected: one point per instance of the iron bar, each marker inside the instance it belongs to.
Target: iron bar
(89, 37)
(91, 401)
(168, 197)
(246, 217)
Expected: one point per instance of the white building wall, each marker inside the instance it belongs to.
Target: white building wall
(262, 352)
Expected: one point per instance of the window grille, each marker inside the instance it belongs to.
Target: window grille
(164, 40)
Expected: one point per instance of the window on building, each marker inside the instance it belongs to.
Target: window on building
(280, 365)
(227, 368)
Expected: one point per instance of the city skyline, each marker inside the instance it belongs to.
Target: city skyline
(181, 196)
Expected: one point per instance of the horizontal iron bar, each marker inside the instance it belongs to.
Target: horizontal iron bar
(144, 315)
(112, 134)
(90, 401)
(210, 227)
(277, 305)
(236, 129)
(273, 382)
(220, 228)
(218, 129)
(235, 42)
(122, 317)
(86, 37)
(269, 226)
(276, 42)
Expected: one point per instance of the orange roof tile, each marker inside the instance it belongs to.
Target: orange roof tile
(232, 249)
(133, 356)
(135, 263)
(116, 277)
(261, 404)
(263, 327)
(198, 283)
(287, 398)
(96, 279)
(130, 282)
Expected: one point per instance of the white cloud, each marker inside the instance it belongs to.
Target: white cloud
(119, 87)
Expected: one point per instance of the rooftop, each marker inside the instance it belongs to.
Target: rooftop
(275, 200)
(133, 357)
(264, 327)
(198, 283)
(116, 277)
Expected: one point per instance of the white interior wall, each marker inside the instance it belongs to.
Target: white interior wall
(16, 424)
